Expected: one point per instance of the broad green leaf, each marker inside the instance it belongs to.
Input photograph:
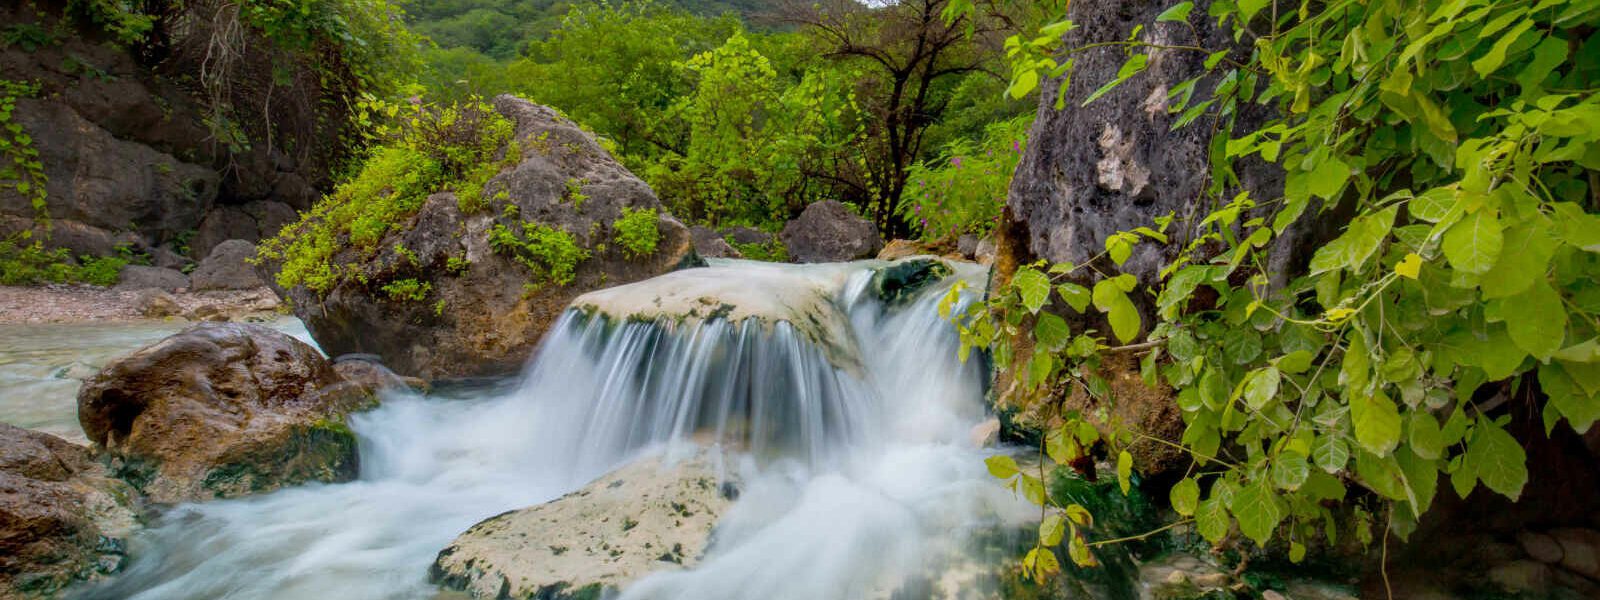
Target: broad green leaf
(1185, 496)
(1078, 549)
(1211, 519)
(1421, 479)
(1051, 332)
(1120, 311)
(1328, 178)
(1041, 367)
(1473, 244)
(1178, 13)
(1001, 466)
(1537, 320)
(1524, 258)
(1581, 407)
(1409, 267)
(1032, 489)
(1034, 287)
(1496, 56)
(1052, 529)
(1376, 420)
(1260, 387)
(1497, 459)
(1256, 508)
(1079, 515)
(1125, 471)
(1076, 296)
(1330, 453)
(1426, 438)
(1359, 241)
(1295, 362)
(1249, 8)
(1290, 470)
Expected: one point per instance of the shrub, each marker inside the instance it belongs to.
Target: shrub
(407, 289)
(963, 189)
(636, 231)
(26, 262)
(427, 148)
(549, 252)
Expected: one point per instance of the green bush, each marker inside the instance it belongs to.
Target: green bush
(636, 231)
(24, 261)
(963, 189)
(551, 253)
(408, 289)
(427, 148)
(772, 251)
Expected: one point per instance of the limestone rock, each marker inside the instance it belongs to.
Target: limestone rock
(62, 521)
(828, 232)
(222, 410)
(251, 222)
(651, 515)
(140, 277)
(365, 370)
(1541, 547)
(1580, 551)
(158, 304)
(486, 317)
(226, 268)
(710, 244)
(746, 235)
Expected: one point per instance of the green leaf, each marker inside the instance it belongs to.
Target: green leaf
(1290, 470)
(1260, 387)
(1497, 459)
(1538, 323)
(1358, 242)
(1491, 61)
(1256, 508)
(1120, 311)
(1001, 466)
(1052, 529)
(1328, 178)
(1024, 83)
(1421, 479)
(1032, 489)
(1525, 257)
(1474, 243)
(1033, 286)
(1040, 367)
(1076, 296)
(1330, 453)
(1125, 471)
(1051, 332)
(1376, 420)
(1426, 438)
(1185, 496)
(1295, 362)
(1249, 8)
(1211, 519)
(1178, 13)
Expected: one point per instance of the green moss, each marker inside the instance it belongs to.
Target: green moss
(636, 232)
(551, 253)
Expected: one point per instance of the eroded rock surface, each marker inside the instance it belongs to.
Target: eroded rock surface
(651, 515)
(62, 521)
(485, 315)
(222, 410)
(828, 232)
(226, 267)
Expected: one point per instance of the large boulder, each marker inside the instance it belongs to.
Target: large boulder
(222, 410)
(651, 515)
(142, 277)
(482, 309)
(251, 222)
(710, 244)
(227, 267)
(827, 231)
(62, 521)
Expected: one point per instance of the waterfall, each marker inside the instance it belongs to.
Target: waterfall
(849, 412)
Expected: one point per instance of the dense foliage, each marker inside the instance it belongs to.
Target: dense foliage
(424, 148)
(26, 261)
(1459, 137)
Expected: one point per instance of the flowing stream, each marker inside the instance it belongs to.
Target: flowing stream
(861, 480)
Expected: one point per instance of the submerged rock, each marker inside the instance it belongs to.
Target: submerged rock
(222, 410)
(828, 232)
(902, 280)
(651, 515)
(62, 521)
(482, 309)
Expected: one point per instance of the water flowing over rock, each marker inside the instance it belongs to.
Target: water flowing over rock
(652, 515)
(62, 521)
(487, 318)
(828, 232)
(222, 410)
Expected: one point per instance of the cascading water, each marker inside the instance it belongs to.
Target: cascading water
(852, 413)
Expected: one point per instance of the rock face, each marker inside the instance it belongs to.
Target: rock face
(225, 268)
(645, 517)
(1116, 164)
(140, 277)
(828, 232)
(222, 410)
(62, 521)
(128, 154)
(710, 244)
(486, 317)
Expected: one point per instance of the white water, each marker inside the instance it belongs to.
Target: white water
(865, 479)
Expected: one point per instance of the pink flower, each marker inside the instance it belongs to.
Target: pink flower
(955, 161)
